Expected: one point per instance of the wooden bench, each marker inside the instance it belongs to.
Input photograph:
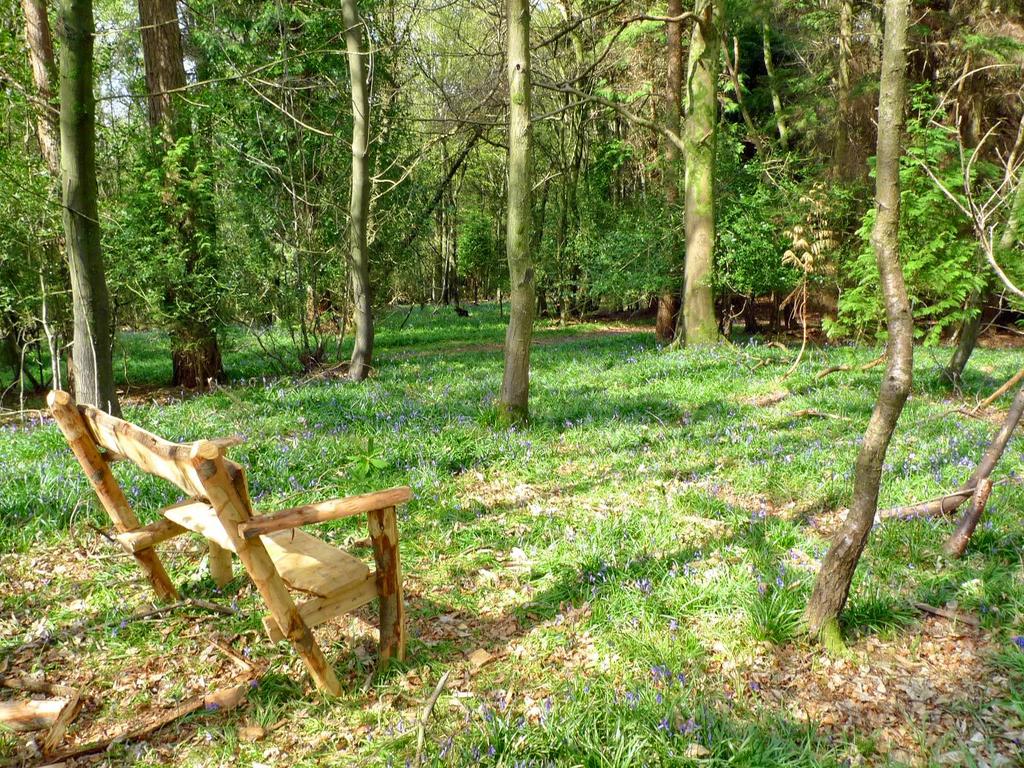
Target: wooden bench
(277, 557)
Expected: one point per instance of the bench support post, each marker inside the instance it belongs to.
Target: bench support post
(71, 423)
(232, 510)
(383, 525)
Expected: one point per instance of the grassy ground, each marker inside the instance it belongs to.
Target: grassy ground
(633, 564)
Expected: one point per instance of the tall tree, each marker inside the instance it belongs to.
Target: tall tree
(698, 324)
(832, 586)
(195, 353)
(44, 77)
(513, 400)
(668, 302)
(359, 202)
(92, 353)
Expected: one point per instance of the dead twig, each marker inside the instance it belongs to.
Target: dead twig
(947, 614)
(421, 729)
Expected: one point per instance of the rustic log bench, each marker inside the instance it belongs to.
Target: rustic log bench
(277, 557)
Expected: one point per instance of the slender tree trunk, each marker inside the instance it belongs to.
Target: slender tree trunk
(359, 204)
(832, 586)
(92, 353)
(773, 86)
(699, 325)
(971, 328)
(55, 318)
(843, 88)
(195, 353)
(513, 400)
(668, 301)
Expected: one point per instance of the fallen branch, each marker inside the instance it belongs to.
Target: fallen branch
(805, 412)
(222, 700)
(421, 730)
(951, 502)
(80, 627)
(947, 614)
(866, 367)
(1011, 382)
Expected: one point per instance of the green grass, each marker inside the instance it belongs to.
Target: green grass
(628, 556)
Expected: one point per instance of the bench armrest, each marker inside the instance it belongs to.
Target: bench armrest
(325, 510)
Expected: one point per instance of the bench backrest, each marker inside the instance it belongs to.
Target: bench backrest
(122, 440)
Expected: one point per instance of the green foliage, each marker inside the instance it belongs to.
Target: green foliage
(937, 250)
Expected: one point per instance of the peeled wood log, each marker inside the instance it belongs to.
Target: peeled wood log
(31, 714)
(150, 535)
(320, 609)
(326, 510)
(384, 537)
(957, 543)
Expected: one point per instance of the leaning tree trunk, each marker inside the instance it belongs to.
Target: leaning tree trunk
(832, 586)
(699, 325)
(195, 353)
(668, 301)
(92, 353)
(359, 203)
(971, 328)
(513, 400)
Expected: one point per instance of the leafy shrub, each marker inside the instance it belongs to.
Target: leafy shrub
(937, 249)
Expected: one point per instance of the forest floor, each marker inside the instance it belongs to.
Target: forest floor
(618, 584)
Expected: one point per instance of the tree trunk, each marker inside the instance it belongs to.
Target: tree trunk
(195, 353)
(699, 325)
(773, 86)
(359, 204)
(513, 400)
(843, 88)
(832, 586)
(668, 301)
(44, 75)
(92, 353)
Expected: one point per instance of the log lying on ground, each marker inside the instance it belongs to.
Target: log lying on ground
(30, 714)
(836, 368)
(951, 502)
(54, 714)
(221, 700)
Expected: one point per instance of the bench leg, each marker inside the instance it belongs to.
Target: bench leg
(220, 564)
(384, 536)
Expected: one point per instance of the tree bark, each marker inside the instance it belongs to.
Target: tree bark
(513, 400)
(668, 301)
(832, 586)
(44, 76)
(773, 86)
(359, 203)
(843, 88)
(699, 325)
(92, 353)
(195, 353)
